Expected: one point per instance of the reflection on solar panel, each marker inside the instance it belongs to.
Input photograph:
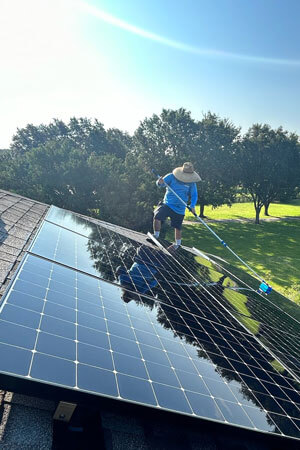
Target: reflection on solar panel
(274, 320)
(94, 310)
(276, 326)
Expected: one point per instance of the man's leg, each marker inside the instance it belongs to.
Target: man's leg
(156, 227)
(160, 214)
(177, 236)
(176, 222)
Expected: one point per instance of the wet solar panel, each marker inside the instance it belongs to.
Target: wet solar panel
(101, 251)
(275, 320)
(94, 310)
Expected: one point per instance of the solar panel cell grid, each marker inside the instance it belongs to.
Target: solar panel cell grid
(165, 362)
(170, 291)
(175, 348)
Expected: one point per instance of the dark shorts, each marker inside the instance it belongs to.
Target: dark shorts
(163, 211)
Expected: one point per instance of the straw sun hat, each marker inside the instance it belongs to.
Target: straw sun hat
(186, 173)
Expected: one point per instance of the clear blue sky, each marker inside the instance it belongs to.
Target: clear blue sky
(123, 60)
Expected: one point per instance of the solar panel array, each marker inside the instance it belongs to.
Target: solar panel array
(274, 319)
(93, 309)
(107, 250)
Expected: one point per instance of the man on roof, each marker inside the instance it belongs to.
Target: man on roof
(182, 181)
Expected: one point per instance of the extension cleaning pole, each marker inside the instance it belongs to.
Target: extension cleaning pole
(264, 287)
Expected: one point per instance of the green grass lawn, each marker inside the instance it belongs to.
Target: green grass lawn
(272, 249)
(246, 211)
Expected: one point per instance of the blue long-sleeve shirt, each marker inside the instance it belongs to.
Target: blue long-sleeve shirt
(140, 276)
(184, 190)
(142, 273)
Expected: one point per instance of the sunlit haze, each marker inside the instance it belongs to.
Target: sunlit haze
(122, 61)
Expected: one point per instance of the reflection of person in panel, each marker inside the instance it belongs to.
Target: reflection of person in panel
(141, 276)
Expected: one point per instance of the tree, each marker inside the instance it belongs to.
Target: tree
(60, 175)
(119, 143)
(51, 173)
(123, 191)
(268, 161)
(166, 141)
(33, 136)
(82, 133)
(14, 174)
(54, 163)
(215, 157)
(286, 178)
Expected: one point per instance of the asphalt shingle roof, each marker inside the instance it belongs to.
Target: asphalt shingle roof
(25, 422)
(19, 220)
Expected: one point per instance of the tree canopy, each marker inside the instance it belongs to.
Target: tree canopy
(216, 149)
(107, 173)
(85, 134)
(268, 162)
